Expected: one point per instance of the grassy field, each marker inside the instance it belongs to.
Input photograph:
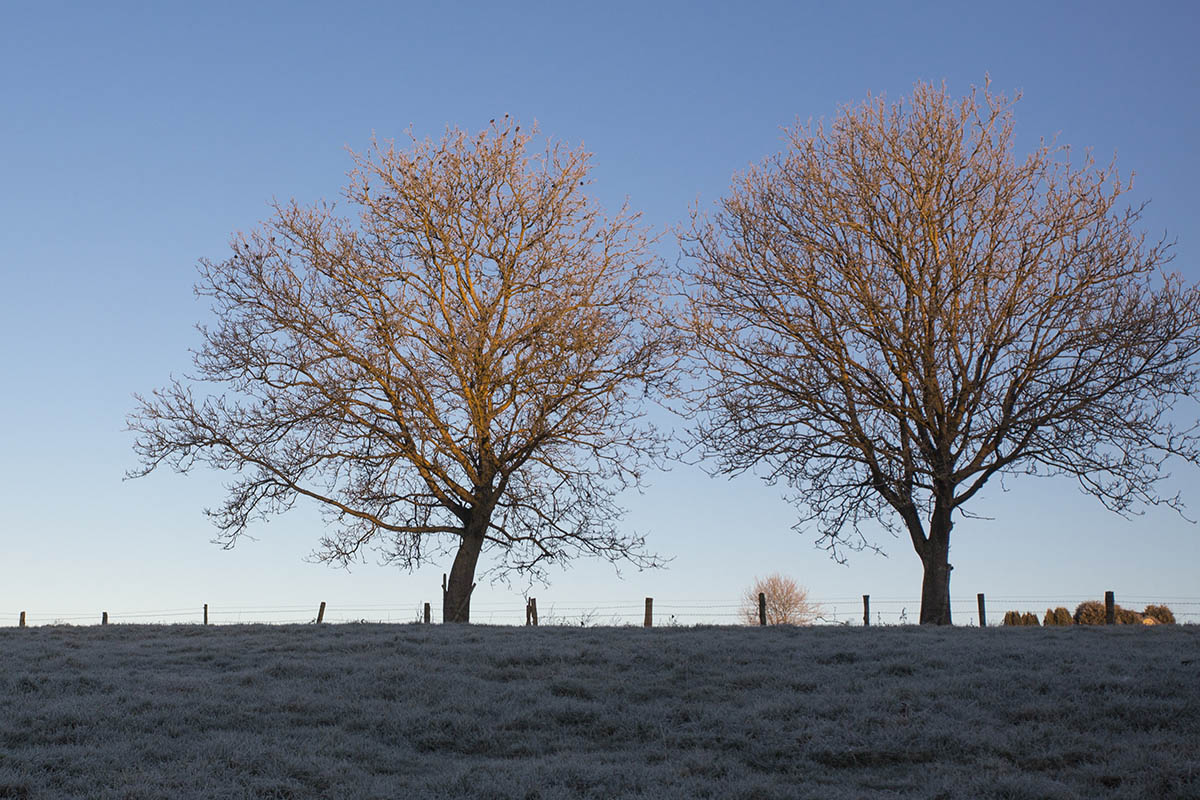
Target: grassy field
(352, 711)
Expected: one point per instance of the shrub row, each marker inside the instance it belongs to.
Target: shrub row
(1091, 612)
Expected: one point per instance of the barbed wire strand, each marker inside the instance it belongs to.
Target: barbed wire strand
(884, 609)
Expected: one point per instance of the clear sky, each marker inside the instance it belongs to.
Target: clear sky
(135, 138)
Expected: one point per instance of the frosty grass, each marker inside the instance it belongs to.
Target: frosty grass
(383, 711)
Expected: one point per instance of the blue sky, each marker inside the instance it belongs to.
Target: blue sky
(136, 138)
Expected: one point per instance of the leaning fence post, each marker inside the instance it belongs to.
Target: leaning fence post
(982, 615)
(533, 610)
(649, 621)
(104, 618)
(428, 612)
(762, 608)
(866, 610)
(1110, 608)
(22, 623)
(321, 613)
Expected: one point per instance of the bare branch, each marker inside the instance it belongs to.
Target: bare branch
(468, 358)
(895, 309)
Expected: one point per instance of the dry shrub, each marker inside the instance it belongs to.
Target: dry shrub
(1160, 614)
(1127, 616)
(1091, 612)
(1057, 616)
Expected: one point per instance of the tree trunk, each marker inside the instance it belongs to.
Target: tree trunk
(935, 588)
(456, 602)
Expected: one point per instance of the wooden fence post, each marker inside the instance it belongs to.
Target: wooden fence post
(104, 618)
(445, 616)
(22, 623)
(866, 610)
(1110, 608)
(982, 614)
(428, 612)
(762, 608)
(321, 613)
(649, 621)
(533, 610)
(206, 613)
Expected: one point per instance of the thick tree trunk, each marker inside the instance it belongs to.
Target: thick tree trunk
(935, 588)
(456, 602)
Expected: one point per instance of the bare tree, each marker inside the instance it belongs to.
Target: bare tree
(787, 602)
(895, 309)
(461, 367)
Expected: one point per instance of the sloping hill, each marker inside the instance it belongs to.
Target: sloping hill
(348, 711)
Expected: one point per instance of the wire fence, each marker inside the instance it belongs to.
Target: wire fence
(848, 610)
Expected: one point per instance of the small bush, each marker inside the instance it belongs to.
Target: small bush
(1029, 618)
(1058, 616)
(1089, 612)
(1160, 614)
(1127, 616)
(1017, 618)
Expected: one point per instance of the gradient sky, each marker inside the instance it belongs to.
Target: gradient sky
(136, 138)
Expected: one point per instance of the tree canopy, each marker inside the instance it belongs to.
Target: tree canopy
(462, 365)
(896, 308)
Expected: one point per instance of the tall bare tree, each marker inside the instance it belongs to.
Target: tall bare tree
(462, 367)
(896, 309)
(787, 602)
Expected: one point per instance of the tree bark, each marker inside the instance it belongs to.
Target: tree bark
(935, 587)
(456, 603)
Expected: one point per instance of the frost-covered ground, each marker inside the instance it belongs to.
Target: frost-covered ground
(351, 711)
